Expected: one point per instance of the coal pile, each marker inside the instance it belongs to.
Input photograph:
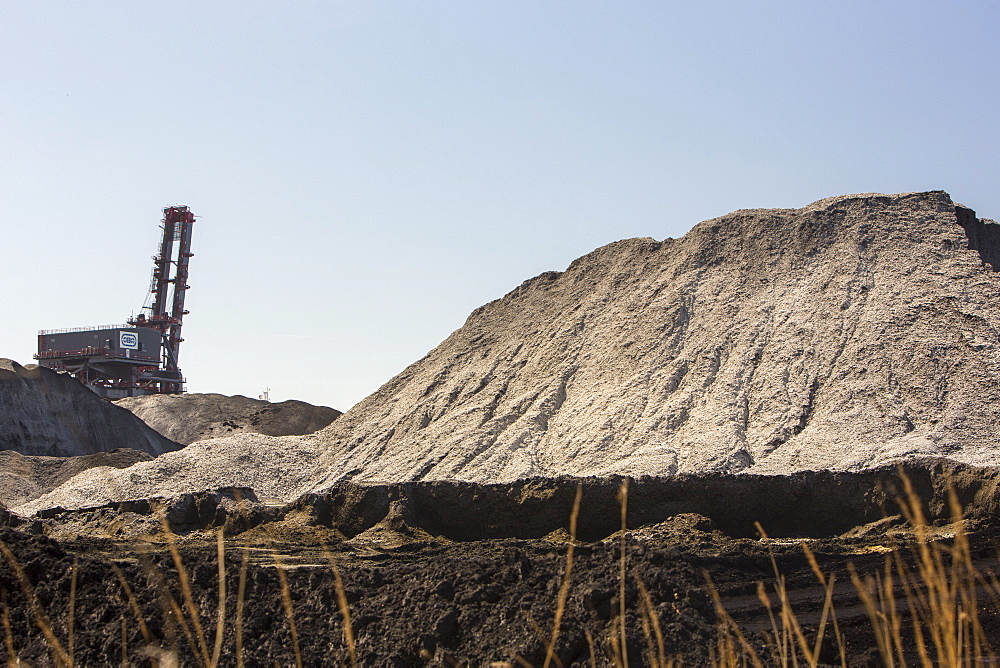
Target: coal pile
(48, 414)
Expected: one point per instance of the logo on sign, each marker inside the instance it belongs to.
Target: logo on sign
(129, 340)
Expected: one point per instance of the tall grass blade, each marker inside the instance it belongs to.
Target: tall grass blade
(623, 501)
(827, 606)
(345, 610)
(286, 601)
(220, 624)
(185, 581)
(133, 605)
(8, 634)
(865, 588)
(536, 628)
(661, 651)
(124, 643)
(172, 614)
(41, 619)
(71, 637)
(240, 597)
(590, 646)
(728, 628)
(567, 573)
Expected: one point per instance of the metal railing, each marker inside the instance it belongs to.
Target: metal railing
(94, 351)
(83, 352)
(67, 330)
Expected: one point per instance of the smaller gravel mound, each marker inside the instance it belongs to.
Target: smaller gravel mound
(187, 418)
(23, 478)
(275, 468)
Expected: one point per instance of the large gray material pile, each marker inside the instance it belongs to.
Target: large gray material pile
(855, 331)
(187, 418)
(44, 413)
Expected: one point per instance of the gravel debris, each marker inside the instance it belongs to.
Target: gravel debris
(277, 468)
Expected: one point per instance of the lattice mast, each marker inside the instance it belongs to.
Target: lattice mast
(167, 291)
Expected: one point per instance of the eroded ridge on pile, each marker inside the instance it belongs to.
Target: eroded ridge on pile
(851, 332)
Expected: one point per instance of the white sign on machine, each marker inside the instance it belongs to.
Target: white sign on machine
(129, 340)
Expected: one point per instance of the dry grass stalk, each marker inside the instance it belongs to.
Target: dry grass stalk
(240, 598)
(41, 619)
(567, 574)
(124, 643)
(133, 605)
(775, 641)
(942, 595)
(868, 590)
(536, 628)
(182, 575)
(647, 631)
(8, 634)
(173, 616)
(827, 607)
(790, 633)
(652, 619)
(72, 609)
(286, 601)
(345, 610)
(621, 647)
(242, 586)
(220, 625)
(913, 605)
(732, 647)
(590, 646)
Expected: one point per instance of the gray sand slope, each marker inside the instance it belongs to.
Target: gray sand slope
(855, 331)
(44, 413)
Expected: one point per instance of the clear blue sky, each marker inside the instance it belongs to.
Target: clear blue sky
(367, 173)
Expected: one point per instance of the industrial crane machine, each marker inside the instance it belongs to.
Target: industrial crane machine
(140, 357)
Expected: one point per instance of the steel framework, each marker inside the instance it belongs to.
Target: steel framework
(167, 290)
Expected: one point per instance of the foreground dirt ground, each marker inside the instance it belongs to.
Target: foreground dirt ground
(417, 599)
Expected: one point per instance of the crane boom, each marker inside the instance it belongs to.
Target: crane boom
(170, 270)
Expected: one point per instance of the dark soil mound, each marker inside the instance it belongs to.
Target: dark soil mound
(44, 413)
(815, 504)
(481, 602)
(805, 504)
